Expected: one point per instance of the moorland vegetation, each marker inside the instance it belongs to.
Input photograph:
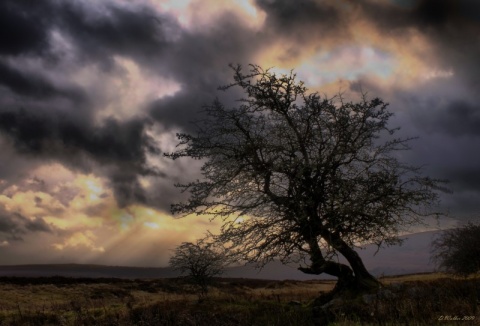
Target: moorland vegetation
(424, 299)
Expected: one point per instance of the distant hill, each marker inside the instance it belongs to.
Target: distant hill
(82, 270)
(412, 257)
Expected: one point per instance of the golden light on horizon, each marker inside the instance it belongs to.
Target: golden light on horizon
(90, 218)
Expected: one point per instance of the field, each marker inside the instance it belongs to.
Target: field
(421, 299)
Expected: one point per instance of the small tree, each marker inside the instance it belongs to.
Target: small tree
(303, 178)
(457, 250)
(200, 262)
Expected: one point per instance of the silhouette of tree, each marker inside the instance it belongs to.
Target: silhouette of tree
(201, 262)
(457, 251)
(302, 178)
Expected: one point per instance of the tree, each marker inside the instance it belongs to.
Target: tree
(457, 251)
(201, 262)
(298, 177)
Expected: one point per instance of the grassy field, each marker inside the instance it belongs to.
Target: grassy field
(421, 299)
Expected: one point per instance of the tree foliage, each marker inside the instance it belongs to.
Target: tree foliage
(301, 177)
(457, 251)
(200, 262)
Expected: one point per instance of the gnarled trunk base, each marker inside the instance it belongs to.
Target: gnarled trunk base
(353, 281)
(345, 289)
(350, 288)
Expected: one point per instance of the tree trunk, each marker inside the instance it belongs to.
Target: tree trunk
(344, 274)
(351, 281)
(364, 281)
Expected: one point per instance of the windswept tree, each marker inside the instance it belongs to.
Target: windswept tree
(200, 262)
(302, 178)
(457, 251)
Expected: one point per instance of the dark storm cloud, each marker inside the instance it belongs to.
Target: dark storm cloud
(138, 33)
(35, 85)
(434, 13)
(49, 118)
(454, 31)
(120, 145)
(126, 187)
(23, 26)
(445, 116)
(34, 116)
(302, 18)
(449, 128)
(199, 62)
(303, 23)
(44, 118)
(466, 179)
(422, 14)
(36, 132)
(452, 28)
(458, 118)
(98, 33)
(444, 112)
(13, 226)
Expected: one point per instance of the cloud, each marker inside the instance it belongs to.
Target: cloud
(43, 115)
(75, 216)
(450, 26)
(121, 145)
(99, 32)
(46, 115)
(30, 26)
(79, 239)
(303, 18)
(33, 85)
(13, 226)
(199, 61)
(93, 92)
(457, 118)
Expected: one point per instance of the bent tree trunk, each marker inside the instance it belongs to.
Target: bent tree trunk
(364, 281)
(353, 279)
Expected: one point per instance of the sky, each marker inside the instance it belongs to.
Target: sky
(92, 94)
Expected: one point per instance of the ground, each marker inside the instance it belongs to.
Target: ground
(421, 299)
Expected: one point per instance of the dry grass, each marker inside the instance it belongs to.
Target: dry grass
(420, 299)
(422, 277)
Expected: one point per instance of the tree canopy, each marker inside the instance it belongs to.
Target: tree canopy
(300, 177)
(457, 250)
(200, 262)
